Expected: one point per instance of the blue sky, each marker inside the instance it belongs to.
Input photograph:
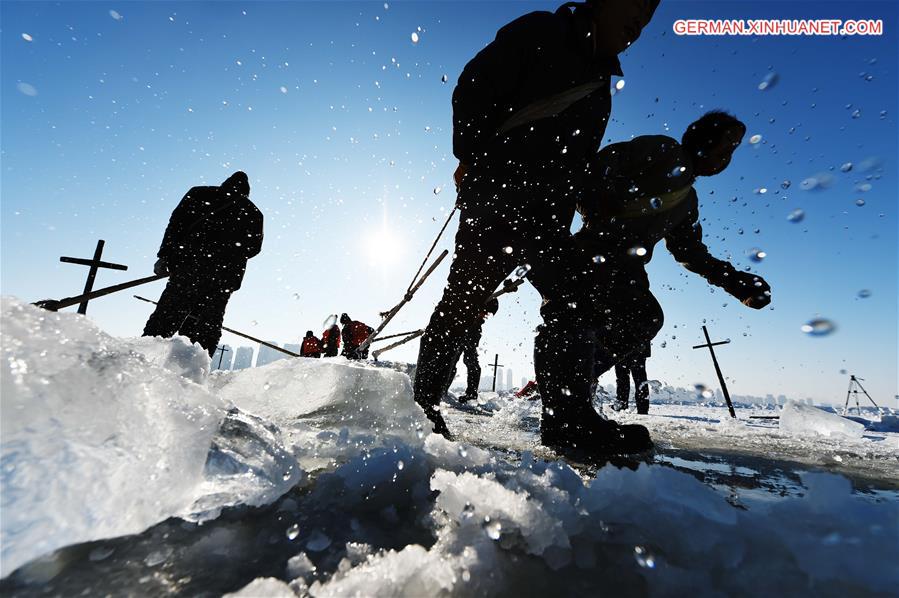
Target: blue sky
(344, 127)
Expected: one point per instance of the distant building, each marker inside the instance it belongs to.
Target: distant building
(524, 382)
(243, 358)
(267, 355)
(292, 348)
(486, 383)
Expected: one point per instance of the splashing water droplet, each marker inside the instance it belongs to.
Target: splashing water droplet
(769, 81)
(444, 79)
(27, 37)
(757, 255)
(293, 531)
(463, 452)
(655, 203)
(636, 251)
(864, 294)
(507, 250)
(550, 411)
(467, 511)
(266, 386)
(846, 167)
(818, 327)
(619, 85)
(857, 113)
(786, 184)
(859, 202)
(644, 558)
(283, 89)
(566, 391)
(400, 465)
(598, 259)
(796, 215)
(493, 529)
(414, 37)
(755, 139)
(115, 15)
(703, 391)
(437, 190)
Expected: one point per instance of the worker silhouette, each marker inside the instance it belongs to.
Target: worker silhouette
(211, 235)
(643, 193)
(529, 110)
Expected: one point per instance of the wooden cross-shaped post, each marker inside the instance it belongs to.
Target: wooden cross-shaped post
(710, 344)
(92, 273)
(496, 365)
(222, 349)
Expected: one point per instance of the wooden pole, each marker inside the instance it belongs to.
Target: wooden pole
(710, 344)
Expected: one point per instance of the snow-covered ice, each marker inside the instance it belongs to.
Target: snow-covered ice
(318, 477)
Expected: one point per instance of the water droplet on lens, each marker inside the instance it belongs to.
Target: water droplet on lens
(293, 531)
(818, 327)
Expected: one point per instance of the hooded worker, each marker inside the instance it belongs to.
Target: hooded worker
(211, 235)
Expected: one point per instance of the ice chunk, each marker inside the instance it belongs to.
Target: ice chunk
(805, 420)
(97, 439)
(300, 566)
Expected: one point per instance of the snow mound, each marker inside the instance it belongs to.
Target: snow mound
(805, 420)
(539, 527)
(98, 438)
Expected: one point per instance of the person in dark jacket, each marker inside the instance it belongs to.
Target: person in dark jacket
(469, 351)
(311, 347)
(354, 334)
(634, 365)
(528, 112)
(643, 193)
(331, 340)
(211, 235)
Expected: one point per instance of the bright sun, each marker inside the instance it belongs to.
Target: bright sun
(384, 247)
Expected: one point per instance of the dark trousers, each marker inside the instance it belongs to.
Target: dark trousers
(501, 228)
(470, 359)
(192, 307)
(635, 367)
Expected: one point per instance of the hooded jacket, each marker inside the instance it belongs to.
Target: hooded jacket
(213, 232)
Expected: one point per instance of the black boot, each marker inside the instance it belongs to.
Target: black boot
(567, 370)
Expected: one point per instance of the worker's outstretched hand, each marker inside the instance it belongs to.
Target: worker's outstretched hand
(751, 289)
(160, 268)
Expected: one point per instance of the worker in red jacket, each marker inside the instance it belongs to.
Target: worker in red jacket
(354, 334)
(331, 341)
(311, 347)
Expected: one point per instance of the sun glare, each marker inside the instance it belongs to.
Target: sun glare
(384, 247)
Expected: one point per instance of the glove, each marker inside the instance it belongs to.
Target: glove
(459, 175)
(750, 289)
(160, 268)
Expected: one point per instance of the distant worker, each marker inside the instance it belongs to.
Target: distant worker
(644, 193)
(331, 341)
(633, 365)
(354, 334)
(530, 391)
(211, 235)
(469, 351)
(311, 347)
